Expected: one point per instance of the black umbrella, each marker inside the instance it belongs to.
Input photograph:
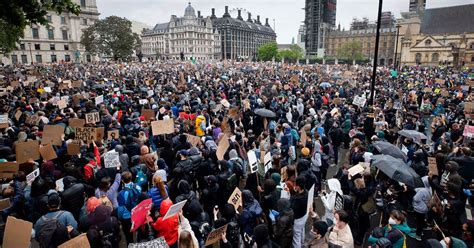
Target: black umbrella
(397, 170)
(415, 135)
(264, 113)
(389, 149)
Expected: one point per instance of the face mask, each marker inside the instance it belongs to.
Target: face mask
(392, 221)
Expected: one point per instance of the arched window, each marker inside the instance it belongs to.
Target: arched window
(428, 42)
(418, 58)
(435, 57)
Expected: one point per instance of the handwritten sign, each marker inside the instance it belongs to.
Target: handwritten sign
(99, 100)
(253, 162)
(432, 166)
(74, 122)
(80, 241)
(31, 177)
(215, 235)
(162, 127)
(74, 147)
(174, 209)
(310, 198)
(339, 202)
(4, 203)
(112, 159)
(267, 161)
(356, 169)
(27, 150)
(52, 134)
(359, 101)
(47, 152)
(148, 114)
(92, 118)
(468, 131)
(86, 134)
(8, 169)
(193, 140)
(113, 134)
(236, 198)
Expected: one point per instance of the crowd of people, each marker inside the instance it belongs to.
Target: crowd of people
(288, 137)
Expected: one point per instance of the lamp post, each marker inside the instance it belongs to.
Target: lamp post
(31, 54)
(376, 53)
(396, 48)
(401, 49)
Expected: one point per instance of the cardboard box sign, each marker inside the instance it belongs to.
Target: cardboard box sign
(74, 122)
(76, 83)
(222, 147)
(4, 121)
(52, 134)
(17, 233)
(148, 114)
(74, 148)
(4, 203)
(194, 140)
(86, 134)
(27, 150)
(236, 198)
(33, 120)
(432, 166)
(113, 134)
(8, 169)
(162, 127)
(92, 118)
(47, 152)
(100, 133)
(215, 235)
(80, 241)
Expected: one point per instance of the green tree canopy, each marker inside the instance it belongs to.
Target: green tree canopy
(111, 36)
(294, 53)
(351, 51)
(268, 51)
(15, 15)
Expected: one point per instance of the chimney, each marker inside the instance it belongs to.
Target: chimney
(266, 22)
(226, 13)
(258, 20)
(213, 16)
(239, 16)
(199, 13)
(250, 18)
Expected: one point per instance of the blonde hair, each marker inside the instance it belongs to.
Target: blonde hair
(359, 183)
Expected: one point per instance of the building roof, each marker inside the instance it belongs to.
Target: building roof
(223, 21)
(448, 20)
(189, 11)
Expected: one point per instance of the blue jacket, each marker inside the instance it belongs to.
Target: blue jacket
(154, 194)
(127, 199)
(64, 217)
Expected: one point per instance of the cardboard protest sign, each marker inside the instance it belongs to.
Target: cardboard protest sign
(267, 161)
(18, 114)
(76, 83)
(162, 127)
(140, 213)
(100, 133)
(27, 150)
(113, 134)
(86, 134)
(253, 162)
(339, 202)
(148, 114)
(99, 99)
(92, 118)
(174, 209)
(62, 104)
(215, 235)
(4, 121)
(310, 198)
(17, 233)
(80, 241)
(33, 119)
(222, 147)
(74, 147)
(159, 242)
(432, 166)
(47, 152)
(74, 122)
(143, 101)
(468, 131)
(193, 140)
(356, 169)
(52, 134)
(8, 169)
(236, 198)
(4, 203)
(440, 81)
(111, 159)
(31, 177)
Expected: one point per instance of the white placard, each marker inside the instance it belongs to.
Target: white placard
(359, 101)
(60, 185)
(99, 99)
(174, 209)
(310, 198)
(253, 162)
(150, 93)
(31, 177)
(143, 101)
(112, 159)
(4, 119)
(267, 160)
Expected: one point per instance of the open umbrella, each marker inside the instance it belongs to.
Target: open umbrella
(325, 85)
(264, 113)
(397, 170)
(389, 149)
(415, 135)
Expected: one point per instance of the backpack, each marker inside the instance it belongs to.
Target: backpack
(108, 239)
(233, 233)
(141, 178)
(128, 196)
(50, 227)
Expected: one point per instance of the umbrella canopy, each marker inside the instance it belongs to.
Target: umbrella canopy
(325, 85)
(389, 149)
(415, 135)
(397, 170)
(265, 113)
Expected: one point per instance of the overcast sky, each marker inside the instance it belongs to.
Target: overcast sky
(288, 14)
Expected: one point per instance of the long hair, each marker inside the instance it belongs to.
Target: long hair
(158, 182)
(185, 240)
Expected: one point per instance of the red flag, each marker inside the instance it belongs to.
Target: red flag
(140, 213)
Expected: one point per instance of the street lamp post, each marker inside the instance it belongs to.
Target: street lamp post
(396, 47)
(376, 53)
(401, 49)
(31, 53)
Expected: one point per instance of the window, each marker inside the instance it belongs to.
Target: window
(64, 32)
(35, 33)
(14, 59)
(418, 58)
(434, 57)
(37, 47)
(427, 42)
(24, 59)
(472, 59)
(22, 46)
(88, 58)
(50, 18)
(84, 21)
(39, 58)
(63, 20)
(52, 47)
(66, 47)
(51, 34)
(67, 58)
(471, 46)
(83, 3)
(54, 59)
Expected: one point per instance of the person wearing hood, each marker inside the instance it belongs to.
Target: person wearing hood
(346, 127)
(395, 231)
(283, 229)
(421, 205)
(104, 228)
(237, 163)
(168, 229)
(200, 126)
(329, 199)
(250, 212)
(72, 197)
(447, 242)
(185, 194)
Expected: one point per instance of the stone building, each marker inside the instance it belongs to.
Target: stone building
(58, 42)
(241, 39)
(189, 37)
(437, 36)
(320, 18)
(364, 32)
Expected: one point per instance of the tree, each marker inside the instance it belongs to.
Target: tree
(15, 15)
(351, 51)
(268, 51)
(293, 54)
(111, 36)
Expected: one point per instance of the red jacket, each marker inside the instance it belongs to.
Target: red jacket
(167, 228)
(88, 170)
